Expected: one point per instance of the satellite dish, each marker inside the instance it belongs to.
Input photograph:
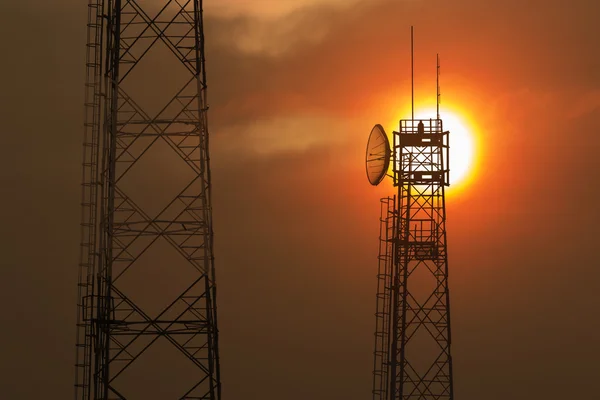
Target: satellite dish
(378, 155)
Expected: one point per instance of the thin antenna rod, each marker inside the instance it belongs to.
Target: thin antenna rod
(438, 86)
(412, 74)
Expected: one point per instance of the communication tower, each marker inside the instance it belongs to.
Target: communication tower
(412, 357)
(146, 207)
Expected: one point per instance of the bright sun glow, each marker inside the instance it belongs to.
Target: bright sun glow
(462, 144)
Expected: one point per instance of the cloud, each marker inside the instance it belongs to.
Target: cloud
(282, 134)
(269, 9)
(346, 60)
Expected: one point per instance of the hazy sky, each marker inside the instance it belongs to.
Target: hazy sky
(294, 89)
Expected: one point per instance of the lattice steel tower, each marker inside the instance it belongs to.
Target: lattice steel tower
(412, 338)
(147, 317)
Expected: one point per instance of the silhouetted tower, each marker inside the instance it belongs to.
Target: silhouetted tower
(146, 317)
(412, 338)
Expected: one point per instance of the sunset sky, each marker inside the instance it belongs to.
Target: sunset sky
(294, 88)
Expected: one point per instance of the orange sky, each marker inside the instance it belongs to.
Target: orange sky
(294, 89)
(521, 72)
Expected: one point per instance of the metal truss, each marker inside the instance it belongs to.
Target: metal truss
(412, 339)
(122, 224)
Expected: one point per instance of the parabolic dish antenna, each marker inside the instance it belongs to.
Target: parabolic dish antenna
(378, 155)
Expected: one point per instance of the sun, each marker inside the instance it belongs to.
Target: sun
(462, 144)
(462, 148)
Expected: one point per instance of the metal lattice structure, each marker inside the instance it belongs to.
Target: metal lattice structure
(412, 339)
(146, 279)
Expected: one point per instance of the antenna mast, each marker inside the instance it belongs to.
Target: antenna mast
(438, 86)
(412, 74)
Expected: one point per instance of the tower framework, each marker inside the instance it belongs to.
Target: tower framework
(412, 339)
(146, 312)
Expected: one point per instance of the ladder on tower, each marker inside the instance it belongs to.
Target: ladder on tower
(387, 226)
(89, 218)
